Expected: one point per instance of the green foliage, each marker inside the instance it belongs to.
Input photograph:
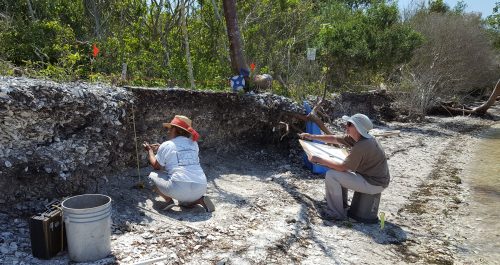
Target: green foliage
(276, 38)
(455, 60)
(6, 68)
(357, 45)
(460, 7)
(300, 92)
(438, 6)
(43, 45)
(493, 21)
(56, 41)
(44, 41)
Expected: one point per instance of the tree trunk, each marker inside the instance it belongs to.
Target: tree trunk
(493, 97)
(169, 24)
(92, 8)
(30, 10)
(156, 17)
(225, 56)
(481, 110)
(237, 59)
(186, 44)
(216, 10)
(122, 41)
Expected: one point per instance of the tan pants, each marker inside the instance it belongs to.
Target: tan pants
(337, 182)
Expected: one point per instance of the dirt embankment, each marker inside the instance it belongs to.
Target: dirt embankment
(267, 208)
(58, 139)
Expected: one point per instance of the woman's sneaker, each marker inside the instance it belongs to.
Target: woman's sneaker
(208, 204)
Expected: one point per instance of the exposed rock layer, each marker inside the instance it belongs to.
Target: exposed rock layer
(57, 139)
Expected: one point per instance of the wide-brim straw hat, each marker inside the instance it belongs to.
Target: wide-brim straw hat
(183, 123)
(361, 122)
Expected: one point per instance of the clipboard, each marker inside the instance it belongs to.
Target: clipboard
(323, 150)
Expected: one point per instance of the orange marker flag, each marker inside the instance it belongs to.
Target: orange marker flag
(95, 50)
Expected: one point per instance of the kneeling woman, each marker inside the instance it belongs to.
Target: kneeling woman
(178, 174)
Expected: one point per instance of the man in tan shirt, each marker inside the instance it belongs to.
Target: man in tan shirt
(364, 169)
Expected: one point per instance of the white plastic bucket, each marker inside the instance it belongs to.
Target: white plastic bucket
(88, 226)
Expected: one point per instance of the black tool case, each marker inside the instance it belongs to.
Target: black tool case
(47, 232)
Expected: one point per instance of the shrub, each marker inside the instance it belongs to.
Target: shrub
(455, 60)
(360, 44)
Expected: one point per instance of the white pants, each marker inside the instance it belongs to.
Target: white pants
(184, 192)
(337, 182)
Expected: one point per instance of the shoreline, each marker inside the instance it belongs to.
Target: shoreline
(267, 210)
(437, 212)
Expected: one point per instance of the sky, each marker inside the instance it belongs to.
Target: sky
(485, 7)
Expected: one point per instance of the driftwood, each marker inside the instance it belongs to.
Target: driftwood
(310, 117)
(315, 116)
(481, 110)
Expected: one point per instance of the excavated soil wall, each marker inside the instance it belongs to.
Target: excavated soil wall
(57, 139)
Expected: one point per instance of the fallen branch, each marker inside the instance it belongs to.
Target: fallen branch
(287, 130)
(152, 261)
(287, 127)
(481, 110)
(311, 117)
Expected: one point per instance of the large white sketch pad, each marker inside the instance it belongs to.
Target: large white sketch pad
(323, 150)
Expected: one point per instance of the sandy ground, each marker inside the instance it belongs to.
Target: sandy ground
(267, 210)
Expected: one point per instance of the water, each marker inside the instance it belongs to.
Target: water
(483, 175)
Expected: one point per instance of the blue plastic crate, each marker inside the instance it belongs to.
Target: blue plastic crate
(312, 128)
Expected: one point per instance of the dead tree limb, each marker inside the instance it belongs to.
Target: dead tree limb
(481, 110)
(287, 130)
(282, 82)
(315, 115)
(491, 100)
(311, 117)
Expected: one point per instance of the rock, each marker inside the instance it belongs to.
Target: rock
(6, 234)
(222, 261)
(127, 259)
(8, 163)
(263, 81)
(4, 249)
(81, 149)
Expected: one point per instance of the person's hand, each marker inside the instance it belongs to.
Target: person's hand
(305, 136)
(147, 146)
(155, 147)
(314, 159)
